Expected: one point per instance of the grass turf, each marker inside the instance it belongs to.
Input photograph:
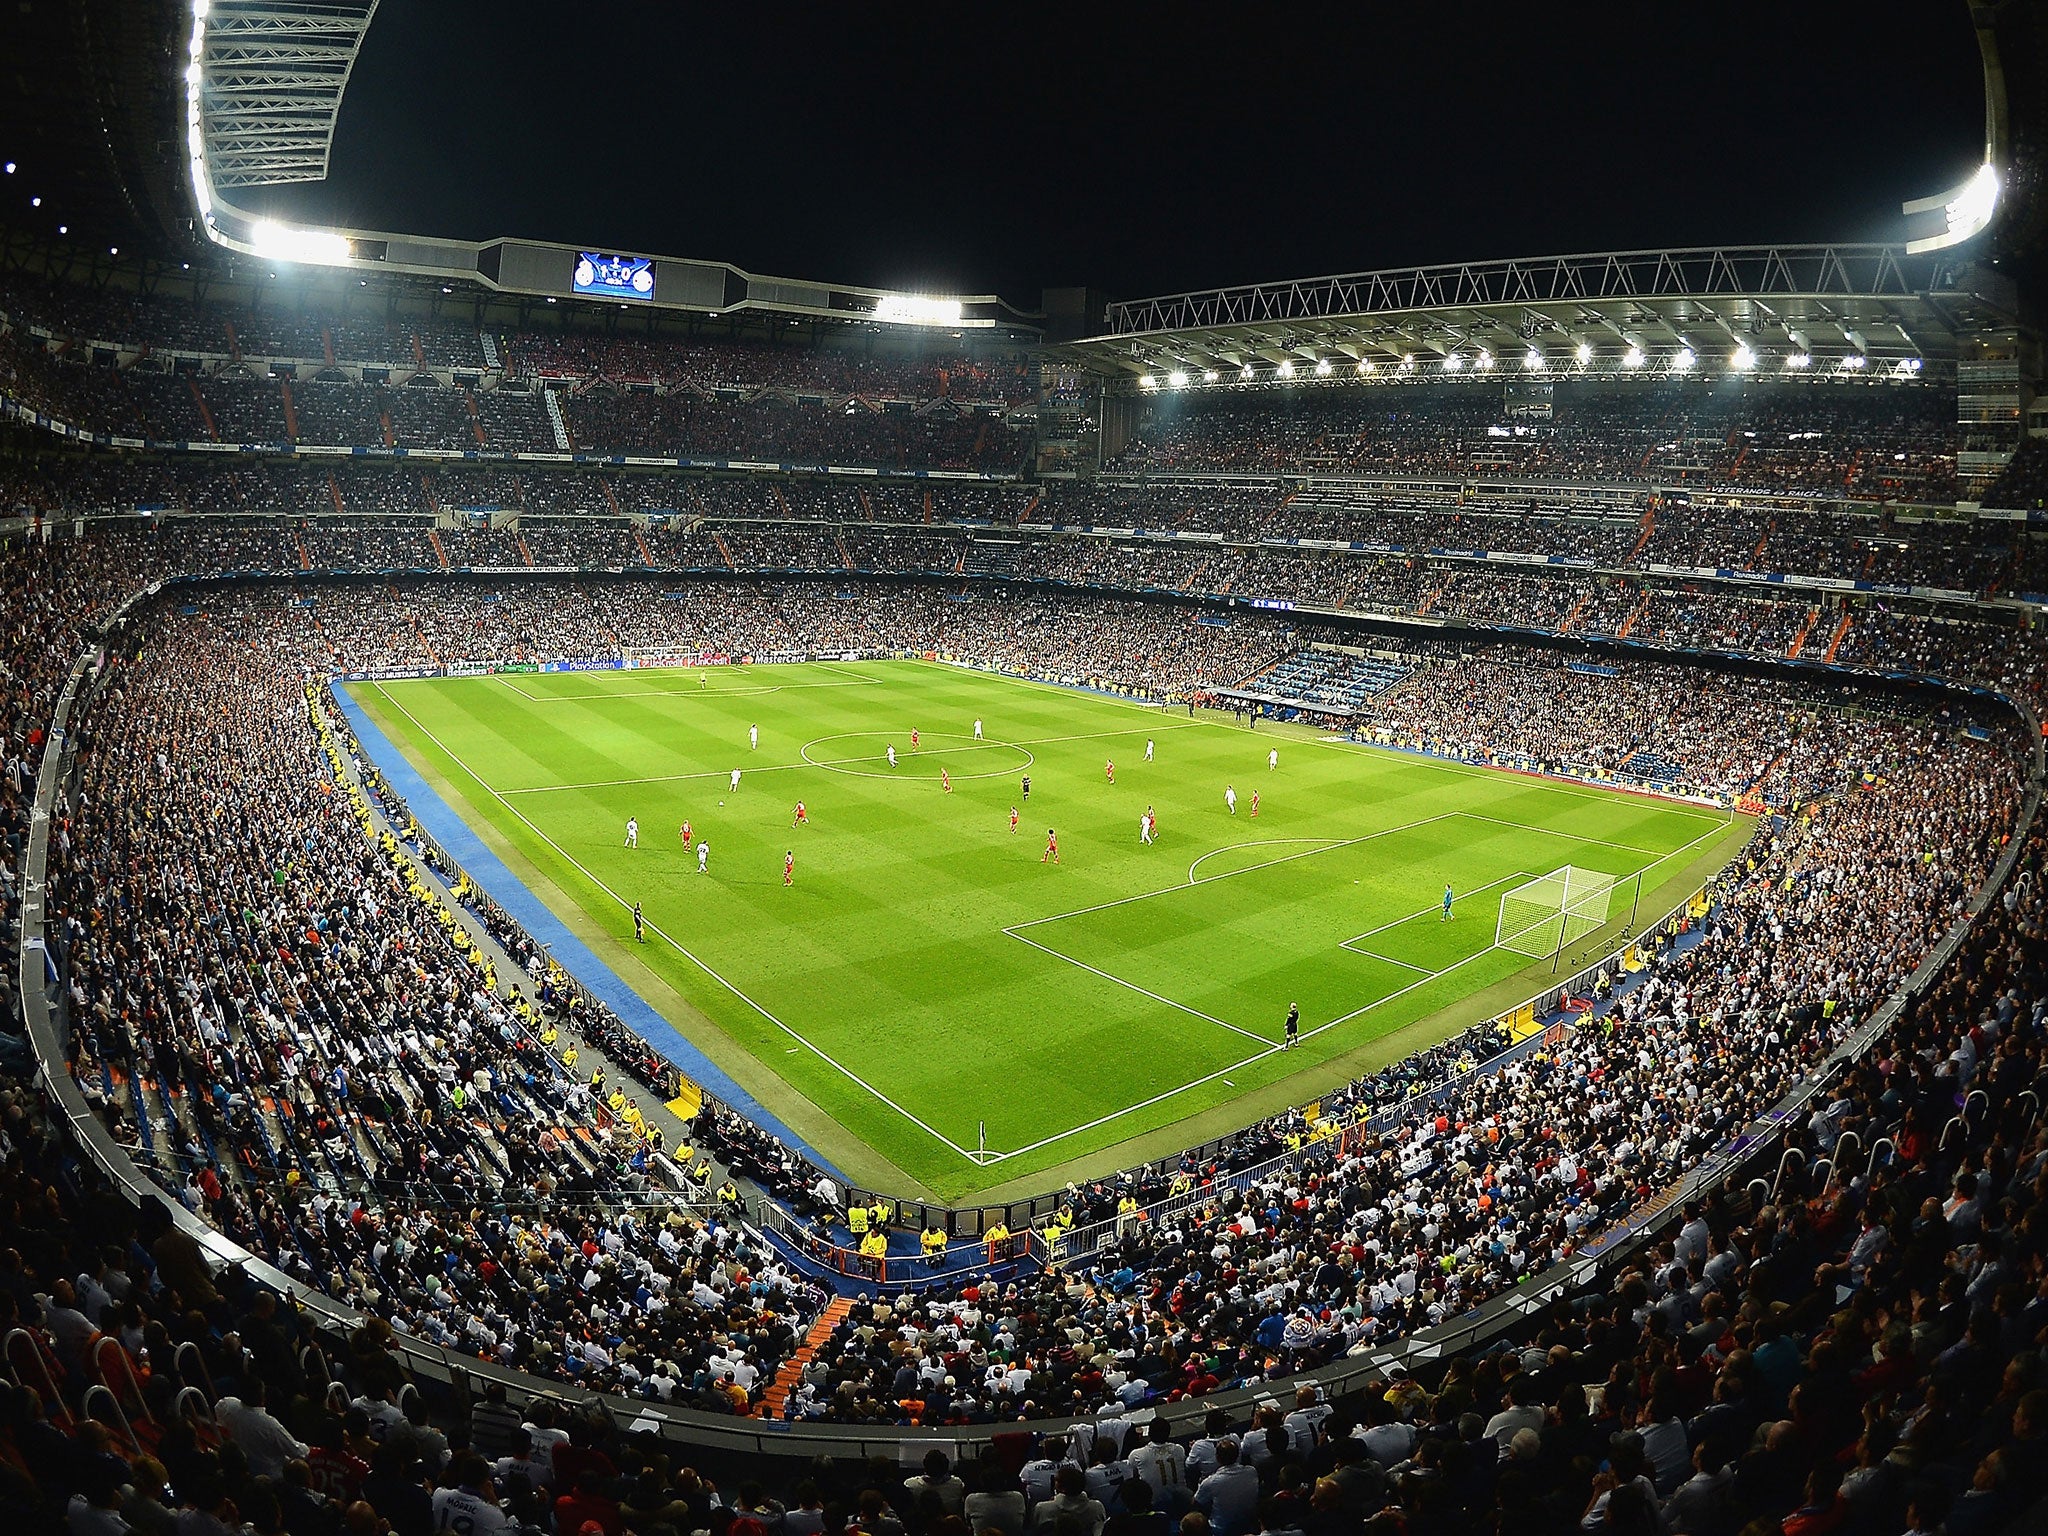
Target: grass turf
(927, 972)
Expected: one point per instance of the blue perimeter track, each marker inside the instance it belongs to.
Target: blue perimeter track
(531, 913)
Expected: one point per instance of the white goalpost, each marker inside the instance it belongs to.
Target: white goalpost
(1540, 917)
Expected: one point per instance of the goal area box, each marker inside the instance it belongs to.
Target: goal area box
(1540, 917)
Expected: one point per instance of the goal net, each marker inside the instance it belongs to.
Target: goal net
(1539, 917)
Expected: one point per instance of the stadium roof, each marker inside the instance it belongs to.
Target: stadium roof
(270, 80)
(1627, 313)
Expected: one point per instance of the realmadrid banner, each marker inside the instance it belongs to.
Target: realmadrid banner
(613, 277)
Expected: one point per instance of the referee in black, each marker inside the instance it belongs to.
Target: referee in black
(1293, 1026)
(639, 925)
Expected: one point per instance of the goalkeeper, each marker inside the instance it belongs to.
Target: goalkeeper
(1445, 915)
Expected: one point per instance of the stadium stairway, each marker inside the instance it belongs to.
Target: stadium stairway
(525, 554)
(1634, 618)
(1565, 625)
(723, 553)
(776, 1396)
(205, 415)
(333, 495)
(1799, 640)
(440, 549)
(1649, 526)
(1841, 633)
(639, 538)
(291, 410)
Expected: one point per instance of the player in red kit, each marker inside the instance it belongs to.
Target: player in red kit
(1013, 821)
(789, 867)
(1255, 804)
(802, 818)
(945, 781)
(913, 740)
(1109, 770)
(1052, 847)
(685, 833)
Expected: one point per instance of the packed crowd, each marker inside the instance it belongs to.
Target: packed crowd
(310, 1047)
(1979, 556)
(1881, 444)
(286, 999)
(997, 377)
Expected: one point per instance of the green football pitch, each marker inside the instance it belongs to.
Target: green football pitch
(932, 1004)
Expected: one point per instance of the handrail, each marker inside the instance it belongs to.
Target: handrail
(205, 1377)
(191, 1405)
(97, 1393)
(53, 1400)
(131, 1382)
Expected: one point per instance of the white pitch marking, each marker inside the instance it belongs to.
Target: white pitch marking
(678, 946)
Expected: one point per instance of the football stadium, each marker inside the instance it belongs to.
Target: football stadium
(647, 898)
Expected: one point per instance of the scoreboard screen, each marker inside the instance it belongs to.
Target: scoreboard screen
(613, 277)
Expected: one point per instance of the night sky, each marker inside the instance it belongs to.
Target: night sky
(1144, 149)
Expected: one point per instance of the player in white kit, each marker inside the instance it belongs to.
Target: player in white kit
(1230, 798)
(754, 737)
(1148, 749)
(703, 856)
(632, 832)
(1145, 826)
(735, 782)
(977, 730)
(1273, 759)
(892, 754)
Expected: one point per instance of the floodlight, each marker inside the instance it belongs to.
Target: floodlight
(10, 167)
(200, 8)
(63, 229)
(1683, 359)
(1909, 365)
(1178, 379)
(1532, 359)
(1799, 360)
(909, 309)
(1585, 352)
(1855, 362)
(1244, 374)
(1485, 360)
(1285, 370)
(1453, 363)
(1146, 381)
(192, 73)
(1209, 375)
(1632, 358)
(1323, 367)
(35, 202)
(279, 242)
(1365, 365)
(1742, 359)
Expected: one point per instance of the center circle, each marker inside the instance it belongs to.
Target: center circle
(864, 754)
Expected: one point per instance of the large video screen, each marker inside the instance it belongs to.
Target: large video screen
(613, 277)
